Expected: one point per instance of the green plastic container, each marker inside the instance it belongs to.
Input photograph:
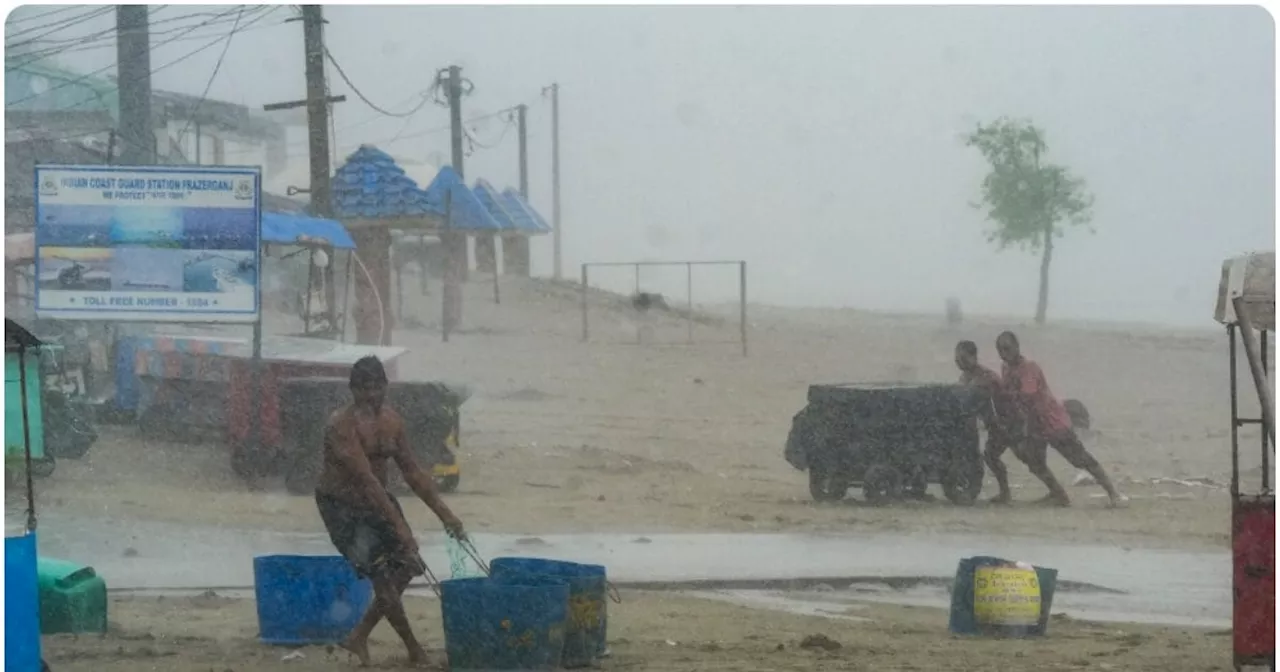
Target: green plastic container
(73, 598)
(13, 438)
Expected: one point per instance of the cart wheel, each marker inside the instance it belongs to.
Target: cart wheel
(826, 485)
(448, 483)
(963, 483)
(882, 484)
(917, 487)
(302, 474)
(43, 467)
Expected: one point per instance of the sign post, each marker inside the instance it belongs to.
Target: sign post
(151, 244)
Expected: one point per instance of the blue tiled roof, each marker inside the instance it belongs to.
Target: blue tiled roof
(524, 214)
(493, 202)
(371, 186)
(469, 214)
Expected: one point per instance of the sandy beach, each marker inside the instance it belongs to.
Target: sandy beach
(608, 435)
(651, 632)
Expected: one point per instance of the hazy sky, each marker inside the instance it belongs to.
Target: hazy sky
(823, 145)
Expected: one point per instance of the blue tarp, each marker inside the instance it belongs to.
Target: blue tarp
(287, 229)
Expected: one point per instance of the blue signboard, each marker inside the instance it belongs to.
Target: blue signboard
(148, 243)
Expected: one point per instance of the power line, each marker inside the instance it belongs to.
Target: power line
(99, 71)
(361, 96)
(209, 84)
(58, 25)
(42, 15)
(106, 38)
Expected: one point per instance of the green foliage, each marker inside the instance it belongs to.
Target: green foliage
(1023, 195)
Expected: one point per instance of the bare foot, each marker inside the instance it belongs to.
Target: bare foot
(1005, 498)
(360, 649)
(1054, 500)
(1118, 501)
(418, 656)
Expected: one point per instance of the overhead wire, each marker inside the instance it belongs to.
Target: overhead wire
(11, 39)
(43, 15)
(106, 38)
(100, 71)
(354, 89)
(213, 76)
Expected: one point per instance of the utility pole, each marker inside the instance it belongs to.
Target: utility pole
(454, 242)
(515, 247)
(555, 181)
(317, 108)
(317, 104)
(133, 62)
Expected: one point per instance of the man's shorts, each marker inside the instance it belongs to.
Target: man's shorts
(1034, 450)
(365, 538)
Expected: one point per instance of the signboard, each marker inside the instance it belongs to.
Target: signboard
(148, 243)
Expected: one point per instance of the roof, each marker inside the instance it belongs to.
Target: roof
(493, 203)
(1253, 277)
(468, 213)
(294, 229)
(524, 212)
(370, 185)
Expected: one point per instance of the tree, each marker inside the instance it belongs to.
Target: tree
(1030, 202)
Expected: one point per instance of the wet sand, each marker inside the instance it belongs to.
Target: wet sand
(565, 436)
(651, 632)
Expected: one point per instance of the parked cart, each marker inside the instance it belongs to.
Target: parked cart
(892, 440)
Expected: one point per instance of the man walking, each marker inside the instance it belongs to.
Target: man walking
(363, 518)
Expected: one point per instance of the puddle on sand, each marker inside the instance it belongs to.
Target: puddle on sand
(778, 601)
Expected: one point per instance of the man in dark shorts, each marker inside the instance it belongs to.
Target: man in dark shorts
(995, 412)
(1047, 424)
(364, 519)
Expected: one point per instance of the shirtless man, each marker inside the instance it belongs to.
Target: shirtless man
(1047, 424)
(364, 519)
(995, 413)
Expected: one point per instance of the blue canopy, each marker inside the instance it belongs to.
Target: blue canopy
(371, 186)
(524, 215)
(493, 202)
(289, 229)
(469, 214)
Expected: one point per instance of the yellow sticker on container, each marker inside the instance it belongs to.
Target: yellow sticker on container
(1006, 596)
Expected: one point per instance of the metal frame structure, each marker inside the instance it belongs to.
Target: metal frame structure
(1246, 302)
(742, 291)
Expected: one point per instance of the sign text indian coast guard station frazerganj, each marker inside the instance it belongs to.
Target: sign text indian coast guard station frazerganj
(162, 243)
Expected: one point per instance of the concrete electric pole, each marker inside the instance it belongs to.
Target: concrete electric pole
(133, 62)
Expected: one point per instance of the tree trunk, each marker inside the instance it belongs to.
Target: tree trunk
(1042, 304)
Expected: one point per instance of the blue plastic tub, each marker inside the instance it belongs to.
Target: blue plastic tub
(492, 625)
(585, 638)
(307, 599)
(21, 605)
(964, 619)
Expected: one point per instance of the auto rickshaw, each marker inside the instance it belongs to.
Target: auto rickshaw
(1247, 306)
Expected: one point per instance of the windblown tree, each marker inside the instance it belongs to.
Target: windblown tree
(1029, 201)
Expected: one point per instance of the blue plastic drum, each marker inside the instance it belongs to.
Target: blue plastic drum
(585, 639)
(307, 599)
(21, 605)
(491, 625)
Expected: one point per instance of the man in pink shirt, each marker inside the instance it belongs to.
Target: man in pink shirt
(1046, 424)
